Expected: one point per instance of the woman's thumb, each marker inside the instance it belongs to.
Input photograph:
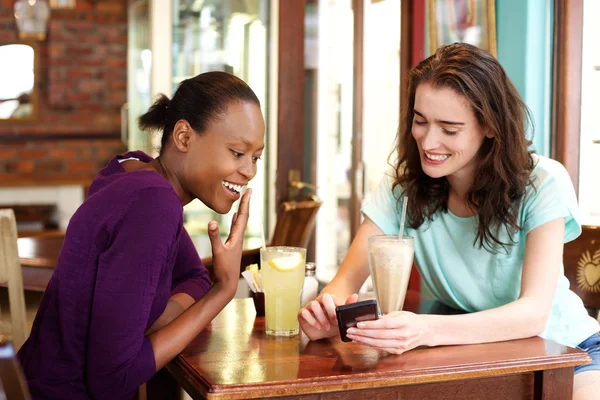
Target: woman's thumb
(352, 299)
(215, 238)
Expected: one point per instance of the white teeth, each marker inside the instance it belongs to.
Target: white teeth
(436, 157)
(237, 188)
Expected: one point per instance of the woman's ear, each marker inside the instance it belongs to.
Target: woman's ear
(488, 133)
(181, 135)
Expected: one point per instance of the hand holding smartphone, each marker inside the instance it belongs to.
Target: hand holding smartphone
(349, 315)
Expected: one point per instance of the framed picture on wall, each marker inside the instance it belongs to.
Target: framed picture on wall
(470, 21)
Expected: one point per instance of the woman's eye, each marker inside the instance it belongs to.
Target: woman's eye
(236, 154)
(419, 122)
(255, 159)
(447, 132)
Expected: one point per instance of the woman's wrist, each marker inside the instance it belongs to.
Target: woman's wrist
(430, 332)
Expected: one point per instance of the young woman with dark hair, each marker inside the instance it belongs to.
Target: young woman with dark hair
(129, 291)
(488, 216)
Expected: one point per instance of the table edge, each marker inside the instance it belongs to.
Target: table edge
(36, 263)
(179, 367)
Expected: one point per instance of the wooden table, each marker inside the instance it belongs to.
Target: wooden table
(234, 359)
(38, 256)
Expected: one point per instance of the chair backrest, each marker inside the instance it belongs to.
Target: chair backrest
(10, 273)
(12, 380)
(295, 223)
(582, 266)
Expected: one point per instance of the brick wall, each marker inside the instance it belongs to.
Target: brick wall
(55, 160)
(82, 82)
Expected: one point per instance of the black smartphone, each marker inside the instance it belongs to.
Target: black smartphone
(349, 315)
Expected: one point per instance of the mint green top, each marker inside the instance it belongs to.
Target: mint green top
(462, 275)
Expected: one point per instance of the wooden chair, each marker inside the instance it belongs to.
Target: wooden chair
(11, 275)
(12, 381)
(582, 267)
(295, 223)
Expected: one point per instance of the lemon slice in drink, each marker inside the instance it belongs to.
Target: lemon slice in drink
(287, 263)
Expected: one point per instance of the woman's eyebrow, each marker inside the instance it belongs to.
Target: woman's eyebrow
(440, 121)
(243, 140)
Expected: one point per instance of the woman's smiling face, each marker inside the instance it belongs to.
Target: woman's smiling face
(223, 159)
(447, 133)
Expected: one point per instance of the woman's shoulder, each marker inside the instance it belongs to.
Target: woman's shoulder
(145, 191)
(545, 166)
(550, 196)
(387, 186)
(113, 177)
(547, 170)
(390, 180)
(138, 183)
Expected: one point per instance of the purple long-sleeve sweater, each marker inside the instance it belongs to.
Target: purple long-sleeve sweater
(125, 253)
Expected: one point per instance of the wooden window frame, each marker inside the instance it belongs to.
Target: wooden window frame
(566, 85)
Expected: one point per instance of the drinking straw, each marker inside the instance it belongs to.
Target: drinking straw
(403, 218)
(262, 228)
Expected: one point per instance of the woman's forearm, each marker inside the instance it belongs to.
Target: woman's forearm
(355, 268)
(516, 320)
(171, 339)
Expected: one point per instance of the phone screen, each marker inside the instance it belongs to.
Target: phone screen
(350, 314)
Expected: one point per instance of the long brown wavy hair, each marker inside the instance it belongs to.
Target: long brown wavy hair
(505, 163)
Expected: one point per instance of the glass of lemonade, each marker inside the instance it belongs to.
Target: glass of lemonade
(282, 276)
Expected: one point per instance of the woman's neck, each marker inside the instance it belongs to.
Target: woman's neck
(159, 166)
(457, 197)
(162, 164)
(460, 185)
(460, 207)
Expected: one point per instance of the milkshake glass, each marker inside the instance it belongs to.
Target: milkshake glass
(390, 262)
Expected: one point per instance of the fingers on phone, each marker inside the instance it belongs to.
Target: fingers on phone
(329, 306)
(310, 319)
(317, 311)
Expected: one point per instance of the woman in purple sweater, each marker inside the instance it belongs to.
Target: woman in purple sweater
(129, 291)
